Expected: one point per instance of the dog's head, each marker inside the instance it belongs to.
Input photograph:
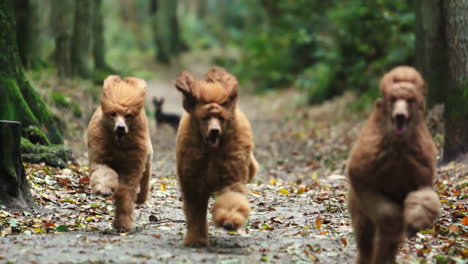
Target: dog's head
(211, 102)
(122, 103)
(158, 103)
(404, 99)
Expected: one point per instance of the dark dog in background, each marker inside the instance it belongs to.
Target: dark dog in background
(161, 117)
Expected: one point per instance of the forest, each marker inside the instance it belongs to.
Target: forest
(309, 75)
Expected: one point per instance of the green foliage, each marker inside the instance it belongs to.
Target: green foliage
(60, 100)
(326, 47)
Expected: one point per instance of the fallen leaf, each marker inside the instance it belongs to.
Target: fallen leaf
(465, 220)
(318, 222)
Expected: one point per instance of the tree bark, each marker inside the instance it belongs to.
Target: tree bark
(82, 39)
(14, 189)
(18, 100)
(166, 30)
(99, 46)
(456, 104)
(62, 17)
(431, 48)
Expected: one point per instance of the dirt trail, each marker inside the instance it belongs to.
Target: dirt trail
(298, 199)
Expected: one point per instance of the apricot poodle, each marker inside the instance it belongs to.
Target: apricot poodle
(119, 147)
(214, 154)
(391, 168)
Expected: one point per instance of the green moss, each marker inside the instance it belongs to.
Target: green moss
(52, 155)
(35, 135)
(77, 112)
(13, 106)
(60, 100)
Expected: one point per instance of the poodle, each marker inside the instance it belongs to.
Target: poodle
(119, 146)
(214, 153)
(391, 168)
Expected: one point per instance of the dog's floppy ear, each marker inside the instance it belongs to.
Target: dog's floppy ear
(186, 84)
(227, 80)
(379, 103)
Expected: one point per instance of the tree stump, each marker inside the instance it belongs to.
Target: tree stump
(14, 188)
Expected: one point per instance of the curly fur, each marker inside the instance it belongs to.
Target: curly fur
(225, 168)
(121, 163)
(391, 173)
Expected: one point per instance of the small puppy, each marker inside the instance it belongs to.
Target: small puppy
(390, 170)
(162, 117)
(214, 154)
(119, 146)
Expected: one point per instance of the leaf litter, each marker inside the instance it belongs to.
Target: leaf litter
(299, 201)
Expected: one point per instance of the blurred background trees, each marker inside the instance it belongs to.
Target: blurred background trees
(321, 48)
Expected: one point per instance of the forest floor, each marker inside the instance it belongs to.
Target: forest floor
(299, 212)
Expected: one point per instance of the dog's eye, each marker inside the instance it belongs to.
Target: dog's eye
(393, 99)
(113, 114)
(128, 116)
(411, 100)
(206, 118)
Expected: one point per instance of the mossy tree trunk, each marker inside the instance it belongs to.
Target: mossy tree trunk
(18, 100)
(14, 189)
(442, 45)
(82, 38)
(61, 20)
(166, 30)
(456, 104)
(28, 32)
(99, 46)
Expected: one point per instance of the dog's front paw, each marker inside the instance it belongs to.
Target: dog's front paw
(104, 181)
(195, 241)
(123, 223)
(231, 210)
(421, 209)
(102, 189)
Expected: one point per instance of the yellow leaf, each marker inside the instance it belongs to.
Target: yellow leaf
(301, 189)
(38, 230)
(163, 187)
(255, 192)
(283, 191)
(314, 175)
(273, 181)
(318, 222)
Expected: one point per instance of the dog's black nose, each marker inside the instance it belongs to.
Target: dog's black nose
(120, 129)
(229, 226)
(214, 132)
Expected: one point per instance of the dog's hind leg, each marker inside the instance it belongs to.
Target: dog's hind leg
(253, 167)
(231, 208)
(103, 179)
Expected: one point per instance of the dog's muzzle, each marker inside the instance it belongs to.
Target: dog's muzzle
(120, 128)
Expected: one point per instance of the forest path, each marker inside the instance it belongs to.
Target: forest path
(298, 198)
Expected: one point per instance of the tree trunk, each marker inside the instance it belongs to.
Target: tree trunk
(62, 17)
(166, 30)
(99, 46)
(18, 100)
(431, 48)
(456, 104)
(82, 39)
(14, 189)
